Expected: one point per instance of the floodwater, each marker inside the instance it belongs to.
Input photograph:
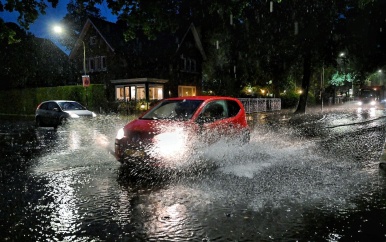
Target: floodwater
(311, 177)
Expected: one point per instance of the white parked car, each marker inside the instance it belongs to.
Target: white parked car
(56, 112)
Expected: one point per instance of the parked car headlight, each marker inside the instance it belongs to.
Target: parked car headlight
(93, 114)
(73, 115)
(120, 134)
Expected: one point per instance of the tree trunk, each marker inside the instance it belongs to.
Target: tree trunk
(301, 109)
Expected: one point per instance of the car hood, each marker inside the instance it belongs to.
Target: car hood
(79, 112)
(155, 126)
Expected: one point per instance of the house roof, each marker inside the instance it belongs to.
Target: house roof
(110, 32)
(139, 80)
(197, 39)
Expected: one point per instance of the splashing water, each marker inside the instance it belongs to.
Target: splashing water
(271, 182)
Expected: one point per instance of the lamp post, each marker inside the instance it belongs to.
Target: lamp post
(85, 78)
(84, 58)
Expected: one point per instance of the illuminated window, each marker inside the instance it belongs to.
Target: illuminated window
(156, 93)
(119, 93)
(137, 92)
(184, 91)
(132, 89)
(140, 93)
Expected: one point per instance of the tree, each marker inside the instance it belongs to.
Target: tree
(74, 20)
(32, 62)
(258, 41)
(28, 11)
(366, 33)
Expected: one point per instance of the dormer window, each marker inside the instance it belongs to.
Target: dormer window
(93, 40)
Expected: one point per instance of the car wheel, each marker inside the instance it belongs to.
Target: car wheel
(38, 122)
(62, 121)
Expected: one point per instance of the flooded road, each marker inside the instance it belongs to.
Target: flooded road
(311, 177)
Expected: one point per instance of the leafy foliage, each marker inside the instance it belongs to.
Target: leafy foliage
(32, 62)
(251, 42)
(74, 20)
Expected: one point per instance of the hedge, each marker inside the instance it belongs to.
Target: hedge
(25, 101)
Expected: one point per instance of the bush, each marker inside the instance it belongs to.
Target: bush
(289, 100)
(25, 101)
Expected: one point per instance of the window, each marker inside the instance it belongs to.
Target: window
(44, 106)
(103, 63)
(96, 63)
(52, 106)
(233, 108)
(119, 93)
(184, 91)
(137, 92)
(140, 94)
(214, 111)
(132, 89)
(188, 65)
(156, 93)
(93, 40)
(91, 64)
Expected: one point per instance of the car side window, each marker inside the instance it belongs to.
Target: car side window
(44, 106)
(233, 108)
(52, 105)
(214, 111)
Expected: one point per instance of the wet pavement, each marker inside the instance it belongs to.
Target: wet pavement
(311, 177)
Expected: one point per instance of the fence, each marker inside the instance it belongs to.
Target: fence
(254, 105)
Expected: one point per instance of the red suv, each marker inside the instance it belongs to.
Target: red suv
(171, 126)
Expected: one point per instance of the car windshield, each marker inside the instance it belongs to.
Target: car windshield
(70, 106)
(174, 110)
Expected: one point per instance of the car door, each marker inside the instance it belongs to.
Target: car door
(213, 120)
(224, 122)
(43, 113)
(53, 113)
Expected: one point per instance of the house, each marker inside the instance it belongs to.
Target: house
(142, 68)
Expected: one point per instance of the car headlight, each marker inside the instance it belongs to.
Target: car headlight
(120, 134)
(73, 115)
(372, 103)
(359, 103)
(170, 144)
(93, 114)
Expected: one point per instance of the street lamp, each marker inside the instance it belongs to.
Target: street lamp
(59, 30)
(342, 55)
(85, 78)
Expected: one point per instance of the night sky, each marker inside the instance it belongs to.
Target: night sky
(42, 27)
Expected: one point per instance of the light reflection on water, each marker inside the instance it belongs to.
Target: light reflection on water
(269, 189)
